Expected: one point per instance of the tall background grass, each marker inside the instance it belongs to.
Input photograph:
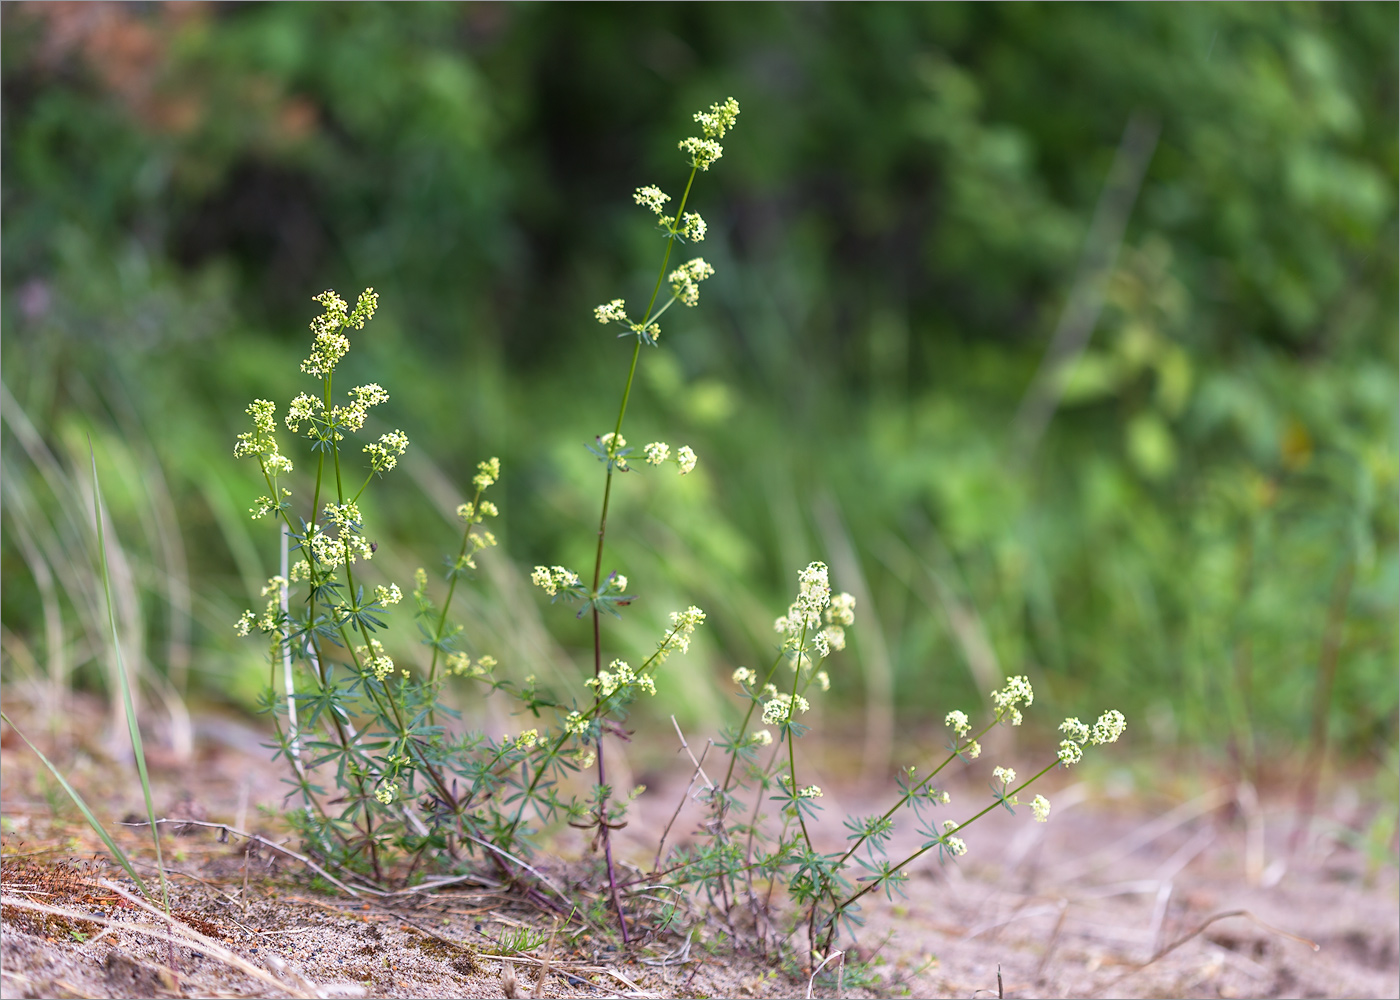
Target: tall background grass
(1067, 336)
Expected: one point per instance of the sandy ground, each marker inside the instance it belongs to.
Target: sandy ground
(1193, 890)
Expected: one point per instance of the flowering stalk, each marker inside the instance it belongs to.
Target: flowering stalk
(612, 447)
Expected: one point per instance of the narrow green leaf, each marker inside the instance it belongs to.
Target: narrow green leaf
(117, 852)
(132, 727)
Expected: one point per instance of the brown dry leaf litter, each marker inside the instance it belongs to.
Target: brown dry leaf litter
(1194, 898)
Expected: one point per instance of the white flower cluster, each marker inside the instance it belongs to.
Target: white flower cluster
(261, 441)
(384, 454)
(374, 659)
(685, 280)
(527, 739)
(553, 578)
(388, 596)
(613, 444)
(957, 722)
(487, 473)
(1107, 729)
(693, 227)
(620, 677)
(611, 312)
(780, 708)
(576, 724)
(683, 625)
(659, 452)
(352, 416)
(304, 407)
(652, 197)
(714, 123)
(1040, 806)
(329, 343)
(1005, 775)
(1016, 692)
(461, 665)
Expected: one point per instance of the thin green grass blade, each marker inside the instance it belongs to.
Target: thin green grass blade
(117, 852)
(135, 730)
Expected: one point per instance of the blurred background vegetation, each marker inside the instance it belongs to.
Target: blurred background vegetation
(1065, 334)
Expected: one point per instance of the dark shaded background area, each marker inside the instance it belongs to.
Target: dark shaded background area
(1201, 531)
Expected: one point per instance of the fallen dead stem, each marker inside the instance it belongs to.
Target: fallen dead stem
(1164, 952)
(264, 842)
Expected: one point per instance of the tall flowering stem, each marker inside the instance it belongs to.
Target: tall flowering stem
(612, 448)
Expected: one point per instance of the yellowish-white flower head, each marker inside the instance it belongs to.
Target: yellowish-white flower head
(714, 124)
(329, 343)
(620, 677)
(678, 636)
(576, 724)
(613, 444)
(686, 459)
(527, 739)
(741, 676)
(693, 227)
(261, 442)
(1040, 806)
(384, 454)
(1109, 727)
(1016, 692)
(657, 452)
(304, 407)
(487, 473)
(685, 280)
(653, 198)
(552, 578)
(781, 707)
(761, 738)
(388, 596)
(719, 119)
(957, 721)
(386, 793)
(611, 312)
(375, 660)
(810, 792)
(1005, 775)
(703, 152)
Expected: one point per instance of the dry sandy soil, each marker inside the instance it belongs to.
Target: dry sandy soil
(1192, 890)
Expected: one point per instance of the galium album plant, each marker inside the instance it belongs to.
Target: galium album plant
(379, 774)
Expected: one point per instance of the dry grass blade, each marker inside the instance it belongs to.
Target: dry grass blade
(1167, 950)
(184, 936)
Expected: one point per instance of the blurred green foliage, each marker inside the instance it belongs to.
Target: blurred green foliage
(898, 228)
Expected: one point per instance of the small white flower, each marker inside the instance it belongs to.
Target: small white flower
(611, 312)
(1005, 775)
(1109, 727)
(652, 197)
(686, 459)
(1040, 805)
(575, 724)
(957, 721)
(657, 452)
